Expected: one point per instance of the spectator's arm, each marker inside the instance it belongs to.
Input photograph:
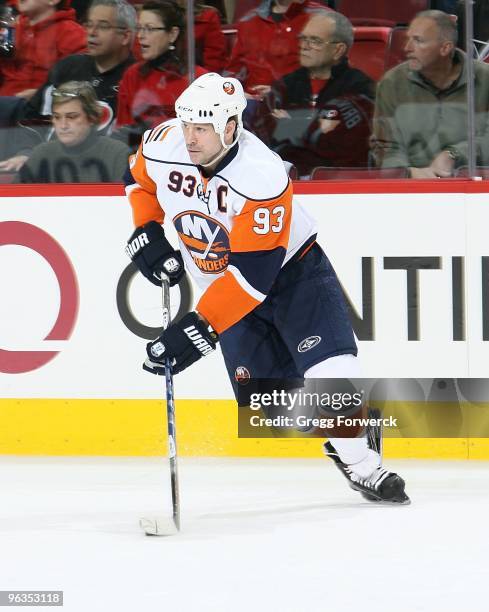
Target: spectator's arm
(461, 149)
(37, 106)
(13, 164)
(120, 163)
(28, 172)
(124, 114)
(37, 168)
(386, 143)
(26, 93)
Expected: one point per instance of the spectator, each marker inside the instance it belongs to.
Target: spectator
(322, 111)
(266, 44)
(210, 45)
(110, 27)
(149, 88)
(79, 155)
(46, 32)
(420, 119)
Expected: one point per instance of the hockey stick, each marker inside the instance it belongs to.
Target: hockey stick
(163, 526)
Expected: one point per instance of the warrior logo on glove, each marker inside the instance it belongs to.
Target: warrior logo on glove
(157, 349)
(183, 343)
(204, 347)
(172, 265)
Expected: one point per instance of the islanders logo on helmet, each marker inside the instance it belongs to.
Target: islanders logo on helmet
(228, 87)
(206, 240)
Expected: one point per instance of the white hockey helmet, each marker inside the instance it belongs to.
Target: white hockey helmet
(213, 99)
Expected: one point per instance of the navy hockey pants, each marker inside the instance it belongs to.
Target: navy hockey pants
(303, 320)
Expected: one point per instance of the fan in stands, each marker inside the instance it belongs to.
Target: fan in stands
(266, 43)
(322, 111)
(421, 120)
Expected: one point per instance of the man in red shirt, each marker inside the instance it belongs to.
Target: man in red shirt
(46, 32)
(321, 113)
(266, 45)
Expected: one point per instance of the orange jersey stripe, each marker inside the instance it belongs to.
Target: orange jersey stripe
(145, 207)
(142, 197)
(263, 226)
(165, 134)
(225, 303)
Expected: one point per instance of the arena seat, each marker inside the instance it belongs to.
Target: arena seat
(230, 35)
(323, 173)
(381, 12)
(482, 171)
(369, 50)
(395, 49)
(293, 173)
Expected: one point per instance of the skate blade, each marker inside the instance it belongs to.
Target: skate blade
(386, 502)
(158, 526)
(383, 502)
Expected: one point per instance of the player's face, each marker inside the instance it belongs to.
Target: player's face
(154, 38)
(104, 37)
(71, 124)
(202, 142)
(425, 47)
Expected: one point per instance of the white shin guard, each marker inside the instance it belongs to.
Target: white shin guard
(352, 451)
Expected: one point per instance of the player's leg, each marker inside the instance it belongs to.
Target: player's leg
(359, 459)
(254, 352)
(312, 318)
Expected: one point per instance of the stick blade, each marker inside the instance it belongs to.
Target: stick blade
(158, 526)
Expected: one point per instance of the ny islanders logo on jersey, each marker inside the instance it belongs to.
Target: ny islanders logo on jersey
(206, 240)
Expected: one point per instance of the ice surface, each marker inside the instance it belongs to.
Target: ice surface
(259, 535)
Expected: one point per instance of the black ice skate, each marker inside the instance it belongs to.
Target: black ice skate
(381, 486)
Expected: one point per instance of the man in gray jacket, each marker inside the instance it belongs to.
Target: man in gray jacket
(420, 119)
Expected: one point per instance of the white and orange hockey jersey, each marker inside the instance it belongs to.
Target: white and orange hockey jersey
(236, 228)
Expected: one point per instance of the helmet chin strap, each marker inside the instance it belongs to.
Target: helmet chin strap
(222, 152)
(217, 158)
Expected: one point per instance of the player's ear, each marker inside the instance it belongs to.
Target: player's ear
(231, 126)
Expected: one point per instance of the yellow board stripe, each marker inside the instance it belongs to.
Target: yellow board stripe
(205, 428)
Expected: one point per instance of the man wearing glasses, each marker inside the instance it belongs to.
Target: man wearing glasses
(266, 45)
(320, 114)
(110, 27)
(421, 120)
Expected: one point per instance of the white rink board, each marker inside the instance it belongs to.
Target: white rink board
(102, 358)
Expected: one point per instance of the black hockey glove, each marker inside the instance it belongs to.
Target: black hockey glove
(183, 343)
(152, 253)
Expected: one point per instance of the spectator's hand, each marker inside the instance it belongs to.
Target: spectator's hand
(13, 164)
(422, 173)
(280, 113)
(443, 165)
(259, 92)
(328, 125)
(26, 93)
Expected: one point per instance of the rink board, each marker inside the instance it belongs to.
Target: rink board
(205, 428)
(70, 328)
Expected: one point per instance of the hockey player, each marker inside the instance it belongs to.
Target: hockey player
(270, 295)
